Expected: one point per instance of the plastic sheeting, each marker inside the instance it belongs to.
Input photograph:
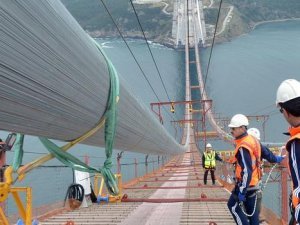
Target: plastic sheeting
(83, 178)
(55, 83)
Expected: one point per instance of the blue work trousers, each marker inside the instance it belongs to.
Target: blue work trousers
(236, 210)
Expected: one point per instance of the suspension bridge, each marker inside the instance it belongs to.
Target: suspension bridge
(50, 90)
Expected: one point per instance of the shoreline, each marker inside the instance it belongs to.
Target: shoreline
(150, 41)
(273, 21)
(170, 45)
(254, 26)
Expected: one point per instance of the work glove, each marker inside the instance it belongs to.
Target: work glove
(279, 158)
(241, 197)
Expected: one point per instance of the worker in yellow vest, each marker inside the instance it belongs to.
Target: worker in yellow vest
(288, 99)
(209, 158)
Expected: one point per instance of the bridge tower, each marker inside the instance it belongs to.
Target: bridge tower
(195, 15)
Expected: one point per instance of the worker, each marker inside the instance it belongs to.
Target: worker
(2, 145)
(288, 100)
(266, 154)
(209, 158)
(254, 132)
(248, 152)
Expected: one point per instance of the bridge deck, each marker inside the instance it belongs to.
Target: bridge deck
(174, 195)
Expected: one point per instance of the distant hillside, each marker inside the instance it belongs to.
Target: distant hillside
(158, 25)
(247, 13)
(253, 11)
(93, 17)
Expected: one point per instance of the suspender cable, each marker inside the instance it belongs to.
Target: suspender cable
(149, 49)
(212, 46)
(135, 59)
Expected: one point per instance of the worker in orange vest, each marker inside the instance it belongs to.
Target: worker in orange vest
(288, 99)
(265, 151)
(247, 173)
(245, 198)
(266, 154)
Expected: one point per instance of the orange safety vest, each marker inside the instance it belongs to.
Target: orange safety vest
(295, 134)
(254, 148)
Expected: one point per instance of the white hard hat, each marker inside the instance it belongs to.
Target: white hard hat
(238, 120)
(254, 132)
(288, 90)
(208, 145)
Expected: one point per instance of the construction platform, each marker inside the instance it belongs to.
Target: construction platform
(173, 195)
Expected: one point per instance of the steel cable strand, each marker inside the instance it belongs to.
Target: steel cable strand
(108, 119)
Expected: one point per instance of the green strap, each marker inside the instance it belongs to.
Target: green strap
(73, 162)
(18, 149)
(110, 116)
(67, 158)
(110, 124)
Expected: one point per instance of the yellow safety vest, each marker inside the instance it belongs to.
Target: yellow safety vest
(210, 160)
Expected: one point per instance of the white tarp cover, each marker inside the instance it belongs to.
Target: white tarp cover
(83, 178)
(54, 82)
